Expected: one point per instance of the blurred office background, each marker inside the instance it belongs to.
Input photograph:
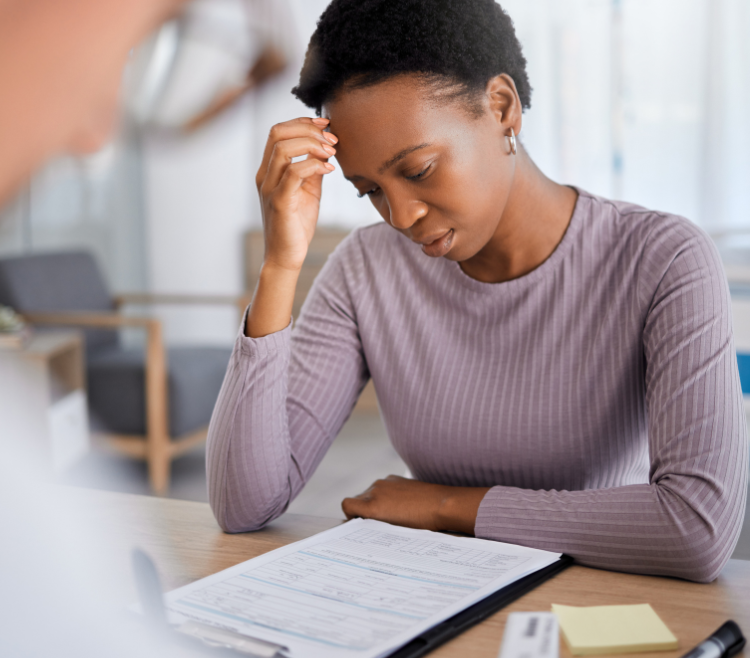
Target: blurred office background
(641, 100)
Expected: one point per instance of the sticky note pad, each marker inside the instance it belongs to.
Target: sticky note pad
(613, 629)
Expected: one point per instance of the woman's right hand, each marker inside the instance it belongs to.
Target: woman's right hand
(290, 191)
(290, 200)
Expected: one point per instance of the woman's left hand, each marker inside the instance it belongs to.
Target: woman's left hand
(416, 504)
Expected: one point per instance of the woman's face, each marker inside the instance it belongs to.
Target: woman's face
(435, 172)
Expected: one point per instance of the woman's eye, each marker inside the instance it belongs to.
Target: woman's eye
(420, 174)
(367, 193)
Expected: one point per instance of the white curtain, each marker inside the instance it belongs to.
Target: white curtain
(643, 100)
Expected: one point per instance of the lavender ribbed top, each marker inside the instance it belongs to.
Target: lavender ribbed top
(598, 395)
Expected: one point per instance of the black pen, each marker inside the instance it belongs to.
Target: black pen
(723, 643)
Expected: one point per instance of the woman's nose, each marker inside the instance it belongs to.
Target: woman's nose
(406, 213)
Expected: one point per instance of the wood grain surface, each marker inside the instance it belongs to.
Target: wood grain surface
(187, 544)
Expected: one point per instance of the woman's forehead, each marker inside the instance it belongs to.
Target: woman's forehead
(380, 123)
(383, 108)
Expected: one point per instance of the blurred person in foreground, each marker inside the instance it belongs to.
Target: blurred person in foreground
(555, 368)
(61, 63)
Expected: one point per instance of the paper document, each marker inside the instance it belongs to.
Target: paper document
(361, 589)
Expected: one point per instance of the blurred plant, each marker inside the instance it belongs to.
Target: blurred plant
(10, 321)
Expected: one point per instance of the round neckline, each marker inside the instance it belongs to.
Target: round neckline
(454, 268)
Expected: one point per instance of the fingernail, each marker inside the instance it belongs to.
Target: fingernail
(320, 121)
(329, 149)
(329, 166)
(331, 138)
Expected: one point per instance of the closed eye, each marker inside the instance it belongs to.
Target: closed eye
(415, 177)
(421, 173)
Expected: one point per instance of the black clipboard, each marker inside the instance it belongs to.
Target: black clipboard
(450, 628)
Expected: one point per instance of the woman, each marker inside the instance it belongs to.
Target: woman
(556, 369)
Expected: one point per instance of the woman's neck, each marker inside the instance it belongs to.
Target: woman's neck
(535, 218)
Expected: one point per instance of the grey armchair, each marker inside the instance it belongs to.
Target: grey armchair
(151, 404)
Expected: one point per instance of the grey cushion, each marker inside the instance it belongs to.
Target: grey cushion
(116, 383)
(59, 281)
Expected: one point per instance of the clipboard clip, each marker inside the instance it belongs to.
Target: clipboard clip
(152, 601)
(221, 638)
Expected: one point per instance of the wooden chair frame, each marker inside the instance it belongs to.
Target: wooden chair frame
(157, 448)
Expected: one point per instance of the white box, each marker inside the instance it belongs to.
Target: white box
(68, 430)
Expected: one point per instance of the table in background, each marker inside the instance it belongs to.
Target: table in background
(186, 544)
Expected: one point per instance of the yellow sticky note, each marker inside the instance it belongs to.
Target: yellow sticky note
(613, 629)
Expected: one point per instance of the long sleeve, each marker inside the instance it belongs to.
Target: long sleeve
(686, 520)
(284, 399)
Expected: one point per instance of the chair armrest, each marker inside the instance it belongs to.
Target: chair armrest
(89, 319)
(159, 298)
(157, 411)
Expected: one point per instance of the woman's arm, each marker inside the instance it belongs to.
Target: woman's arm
(686, 520)
(284, 399)
(285, 395)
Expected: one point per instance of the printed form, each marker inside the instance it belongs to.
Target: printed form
(361, 589)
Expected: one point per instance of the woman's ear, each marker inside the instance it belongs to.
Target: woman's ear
(504, 103)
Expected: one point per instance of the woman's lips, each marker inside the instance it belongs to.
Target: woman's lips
(440, 247)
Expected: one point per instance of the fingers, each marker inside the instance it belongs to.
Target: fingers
(284, 152)
(295, 176)
(356, 506)
(360, 506)
(353, 508)
(302, 127)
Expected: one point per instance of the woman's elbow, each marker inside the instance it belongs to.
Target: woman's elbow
(253, 515)
(701, 568)
(700, 539)
(704, 557)
(232, 527)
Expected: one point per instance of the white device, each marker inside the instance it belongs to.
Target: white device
(530, 635)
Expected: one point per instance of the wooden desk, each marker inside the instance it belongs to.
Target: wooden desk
(186, 543)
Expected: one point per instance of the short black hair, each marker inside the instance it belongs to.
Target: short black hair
(457, 44)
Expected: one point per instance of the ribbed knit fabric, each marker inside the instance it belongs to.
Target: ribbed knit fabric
(598, 395)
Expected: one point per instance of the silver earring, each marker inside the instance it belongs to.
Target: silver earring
(512, 138)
